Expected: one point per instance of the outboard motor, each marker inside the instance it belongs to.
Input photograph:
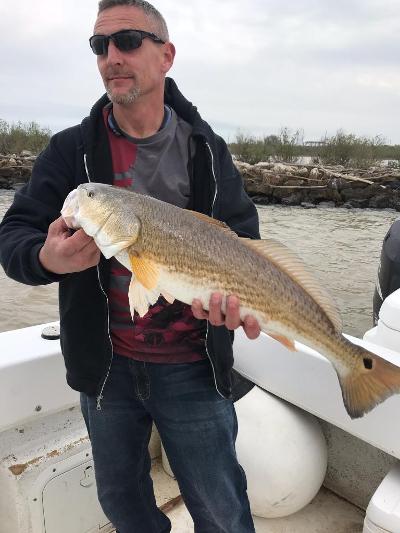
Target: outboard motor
(388, 279)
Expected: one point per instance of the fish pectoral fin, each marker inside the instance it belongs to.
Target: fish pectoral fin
(287, 343)
(143, 289)
(365, 387)
(141, 298)
(145, 270)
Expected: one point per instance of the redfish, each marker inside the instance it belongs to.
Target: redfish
(187, 255)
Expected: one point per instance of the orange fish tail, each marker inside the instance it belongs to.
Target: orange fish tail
(366, 387)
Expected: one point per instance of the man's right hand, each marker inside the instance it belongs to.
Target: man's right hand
(63, 252)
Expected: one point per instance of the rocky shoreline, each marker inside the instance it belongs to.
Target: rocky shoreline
(277, 183)
(312, 185)
(15, 170)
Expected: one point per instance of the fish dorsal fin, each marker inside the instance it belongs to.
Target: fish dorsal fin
(144, 270)
(213, 221)
(293, 266)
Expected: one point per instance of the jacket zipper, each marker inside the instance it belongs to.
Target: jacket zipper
(86, 168)
(100, 396)
(212, 215)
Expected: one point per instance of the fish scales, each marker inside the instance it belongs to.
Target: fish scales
(213, 256)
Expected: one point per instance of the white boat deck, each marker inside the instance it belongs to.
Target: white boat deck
(53, 449)
(327, 513)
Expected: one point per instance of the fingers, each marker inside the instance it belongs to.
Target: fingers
(230, 319)
(251, 327)
(232, 316)
(78, 237)
(215, 316)
(58, 227)
(63, 252)
(78, 241)
(198, 311)
(87, 257)
(74, 242)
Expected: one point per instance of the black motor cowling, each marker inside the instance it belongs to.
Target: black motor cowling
(388, 279)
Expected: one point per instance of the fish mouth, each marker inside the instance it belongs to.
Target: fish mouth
(70, 210)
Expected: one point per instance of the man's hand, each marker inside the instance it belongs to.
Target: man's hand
(231, 319)
(63, 253)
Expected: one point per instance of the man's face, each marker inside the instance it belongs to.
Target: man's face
(130, 75)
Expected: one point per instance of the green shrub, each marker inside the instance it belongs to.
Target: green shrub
(251, 150)
(343, 148)
(349, 150)
(287, 148)
(20, 136)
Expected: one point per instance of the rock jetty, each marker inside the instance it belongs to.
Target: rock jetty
(310, 185)
(15, 170)
(277, 183)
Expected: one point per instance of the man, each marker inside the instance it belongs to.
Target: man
(171, 366)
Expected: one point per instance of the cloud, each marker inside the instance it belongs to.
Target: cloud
(319, 65)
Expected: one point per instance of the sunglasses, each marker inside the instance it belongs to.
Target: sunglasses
(124, 40)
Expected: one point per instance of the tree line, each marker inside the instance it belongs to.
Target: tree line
(346, 149)
(342, 148)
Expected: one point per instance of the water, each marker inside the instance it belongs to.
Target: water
(23, 305)
(341, 246)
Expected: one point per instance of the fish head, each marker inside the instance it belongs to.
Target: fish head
(86, 207)
(102, 212)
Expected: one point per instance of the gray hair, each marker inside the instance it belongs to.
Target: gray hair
(156, 20)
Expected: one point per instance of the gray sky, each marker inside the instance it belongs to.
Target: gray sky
(254, 66)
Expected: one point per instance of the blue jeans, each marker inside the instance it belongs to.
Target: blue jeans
(198, 429)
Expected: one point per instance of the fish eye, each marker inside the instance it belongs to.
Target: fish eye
(368, 363)
(90, 194)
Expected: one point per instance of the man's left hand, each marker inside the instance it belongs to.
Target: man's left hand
(231, 319)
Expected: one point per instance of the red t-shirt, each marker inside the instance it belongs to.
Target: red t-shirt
(168, 333)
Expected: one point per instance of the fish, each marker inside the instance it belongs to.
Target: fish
(186, 255)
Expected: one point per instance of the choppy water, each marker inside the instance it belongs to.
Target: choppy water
(341, 246)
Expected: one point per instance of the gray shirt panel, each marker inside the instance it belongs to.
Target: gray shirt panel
(161, 166)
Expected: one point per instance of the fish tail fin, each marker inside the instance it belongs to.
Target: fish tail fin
(369, 385)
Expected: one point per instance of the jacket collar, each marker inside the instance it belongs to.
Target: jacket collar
(95, 138)
(172, 97)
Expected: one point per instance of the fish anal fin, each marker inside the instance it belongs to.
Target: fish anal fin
(288, 343)
(288, 261)
(366, 387)
(170, 299)
(144, 270)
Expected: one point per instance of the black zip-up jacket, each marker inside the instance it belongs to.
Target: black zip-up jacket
(72, 157)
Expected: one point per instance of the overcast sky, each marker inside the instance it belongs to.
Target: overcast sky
(254, 66)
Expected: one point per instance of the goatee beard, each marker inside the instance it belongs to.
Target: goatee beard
(124, 99)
